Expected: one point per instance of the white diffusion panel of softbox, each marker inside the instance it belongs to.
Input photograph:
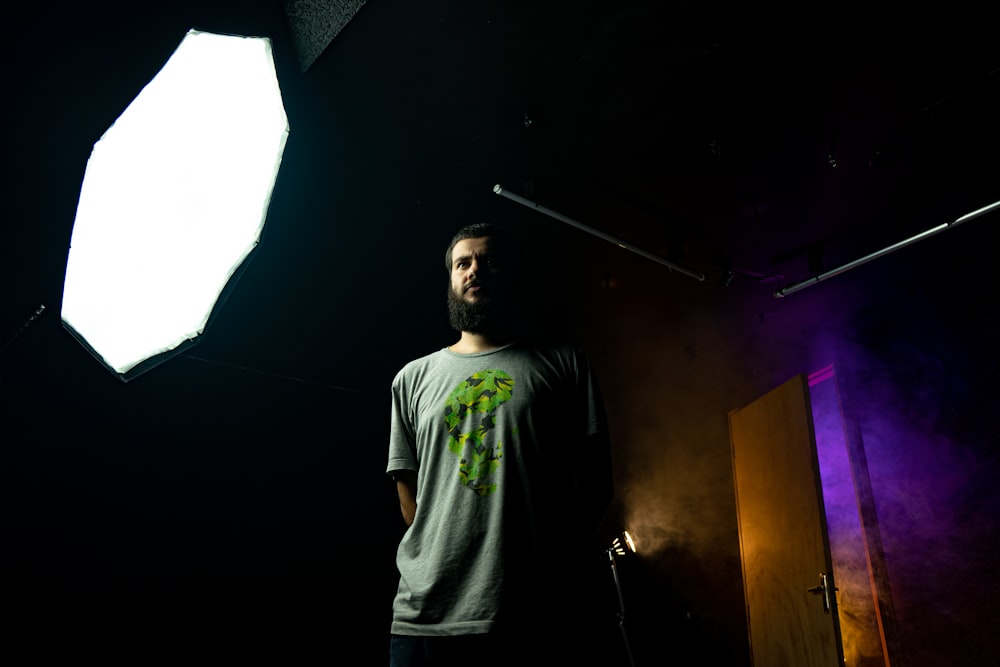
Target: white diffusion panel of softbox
(173, 201)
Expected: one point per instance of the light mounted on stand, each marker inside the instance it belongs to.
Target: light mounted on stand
(621, 545)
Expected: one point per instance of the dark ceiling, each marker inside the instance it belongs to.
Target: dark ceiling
(746, 143)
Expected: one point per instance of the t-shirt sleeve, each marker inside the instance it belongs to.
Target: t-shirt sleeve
(402, 435)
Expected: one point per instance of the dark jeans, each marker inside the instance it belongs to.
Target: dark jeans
(464, 650)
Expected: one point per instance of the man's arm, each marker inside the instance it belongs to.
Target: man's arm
(406, 487)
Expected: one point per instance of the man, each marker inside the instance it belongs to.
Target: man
(501, 459)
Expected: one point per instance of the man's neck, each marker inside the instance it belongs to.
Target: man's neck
(479, 342)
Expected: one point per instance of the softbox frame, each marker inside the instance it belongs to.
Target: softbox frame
(173, 202)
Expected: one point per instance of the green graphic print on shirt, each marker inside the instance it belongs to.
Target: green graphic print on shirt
(472, 406)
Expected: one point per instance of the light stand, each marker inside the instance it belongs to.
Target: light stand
(618, 548)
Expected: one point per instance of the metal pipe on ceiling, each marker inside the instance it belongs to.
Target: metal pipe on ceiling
(801, 285)
(596, 232)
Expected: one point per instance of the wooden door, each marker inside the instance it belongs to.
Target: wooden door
(787, 569)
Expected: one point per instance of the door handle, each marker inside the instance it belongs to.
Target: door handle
(823, 589)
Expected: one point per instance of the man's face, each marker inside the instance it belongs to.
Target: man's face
(478, 296)
(475, 272)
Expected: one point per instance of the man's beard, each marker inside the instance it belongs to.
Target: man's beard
(488, 314)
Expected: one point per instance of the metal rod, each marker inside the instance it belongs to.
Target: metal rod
(27, 323)
(795, 287)
(596, 232)
(621, 607)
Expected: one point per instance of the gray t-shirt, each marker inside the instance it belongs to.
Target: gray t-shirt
(494, 437)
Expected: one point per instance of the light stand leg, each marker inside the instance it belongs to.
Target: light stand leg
(621, 606)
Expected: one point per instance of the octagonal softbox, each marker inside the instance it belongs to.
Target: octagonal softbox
(173, 202)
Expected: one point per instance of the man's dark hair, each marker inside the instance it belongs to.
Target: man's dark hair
(503, 242)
